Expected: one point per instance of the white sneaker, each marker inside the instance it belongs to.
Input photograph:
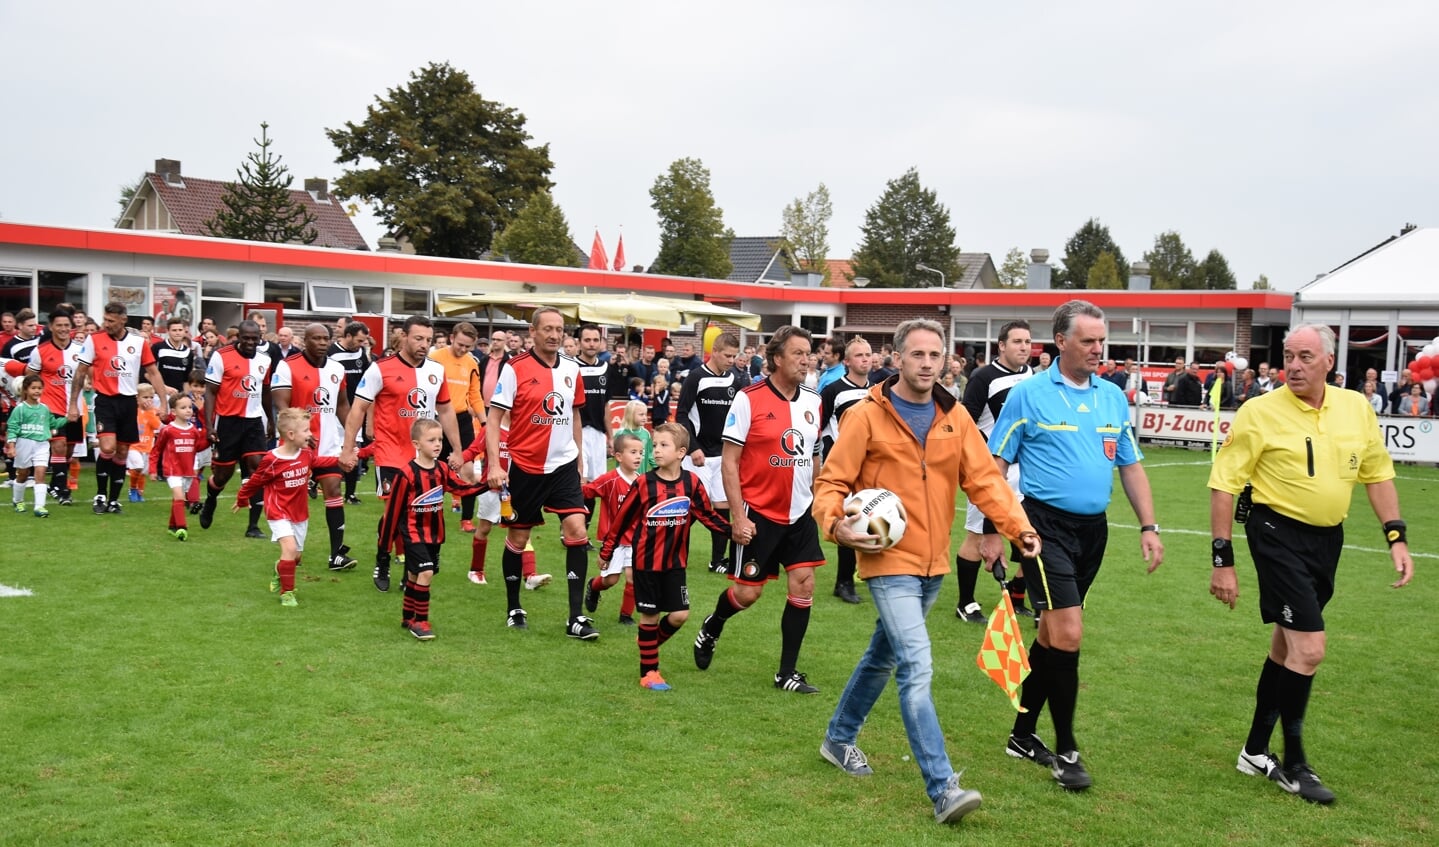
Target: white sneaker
(539, 580)
(478, 578)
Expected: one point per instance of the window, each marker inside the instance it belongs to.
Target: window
(132, 292)
(58, 287)
(289, 294)
(369, 299)
(331, 297)
(817, 325)
(14, 290)
(210, 290)
(1213, 334)
(1169, 335)
(409, 301)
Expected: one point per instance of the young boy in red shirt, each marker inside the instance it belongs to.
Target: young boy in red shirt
(173, 459)
(611, 488)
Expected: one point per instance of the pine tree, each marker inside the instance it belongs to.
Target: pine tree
(258, 207)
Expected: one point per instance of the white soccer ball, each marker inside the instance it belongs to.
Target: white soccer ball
(880, 511)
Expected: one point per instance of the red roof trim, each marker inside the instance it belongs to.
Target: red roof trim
(321, 259)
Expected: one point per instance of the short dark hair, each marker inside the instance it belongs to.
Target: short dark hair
(417, 320)
(115, 307)
(62, 311)
(356, 328)
(1009, 327)
(588, 327)
(171, 322)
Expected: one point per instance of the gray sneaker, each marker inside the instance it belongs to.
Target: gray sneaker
(955, 802)
(846, 757)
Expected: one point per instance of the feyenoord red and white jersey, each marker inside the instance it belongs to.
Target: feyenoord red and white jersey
(317, 390)
(402, 393)
(543, 401)
(56, 368)
(239, 382)
(285, 481)
(175, 448)
(115, 364)
(780, 436)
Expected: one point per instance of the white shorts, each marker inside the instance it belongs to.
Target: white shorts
(298, 529)
(31, 454)
(180, 482)
(623, 558)
(202, 458)
(974, 518)
(487, 507)
(597, 453)
(709, 474)
(137, 461)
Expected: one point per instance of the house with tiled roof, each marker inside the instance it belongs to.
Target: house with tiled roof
(169, 201)
(979, 272)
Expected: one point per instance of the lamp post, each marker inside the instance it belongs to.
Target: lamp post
(923, 267)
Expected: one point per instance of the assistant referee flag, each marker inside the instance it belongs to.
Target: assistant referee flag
(1002, 655)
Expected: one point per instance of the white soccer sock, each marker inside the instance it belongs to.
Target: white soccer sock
(40, 491)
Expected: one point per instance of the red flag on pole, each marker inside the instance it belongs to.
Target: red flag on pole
(599, 259)
(620, 254)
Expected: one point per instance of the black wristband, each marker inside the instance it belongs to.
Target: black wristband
(1394, 532)
(1223, 553)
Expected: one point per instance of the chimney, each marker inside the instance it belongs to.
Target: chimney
(1139, 279)
(1037, 278)
(319, 189)
(169, 171)
(388, 244)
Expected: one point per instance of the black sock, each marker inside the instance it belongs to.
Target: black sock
(719, 541)
(1266, 707)
(1294, 690)
(467, 508)
(335, 522)
(967, 573)
(352, 478)
(60, 477)
(117, 480)
(724, 610)
(511, 566)
(844, 566)
(1063, 692)
(256, 509)
(793, 624)
(1034, 692)
(102, 476)
(577, 564)
(211, 492)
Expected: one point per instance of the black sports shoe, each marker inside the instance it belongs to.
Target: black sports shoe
(1299, 779)
(592, 598)
(195, 507)
(341, 562)
(516, 619)
(382, 576)
(626, 620)
(704, 647)
(207, 513)
(971, 613)
(64, 499)
(253, 532)
(794, 681)
(1030, 748)
(1069, 771)
(351, 500)
(719, 567)
(1023, 611)
(113, 507)
(582, 628)
(845, 592)
(98, 504)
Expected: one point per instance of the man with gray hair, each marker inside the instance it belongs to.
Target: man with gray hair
(1070, 430)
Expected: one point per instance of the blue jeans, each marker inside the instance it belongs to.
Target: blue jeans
(899, 647)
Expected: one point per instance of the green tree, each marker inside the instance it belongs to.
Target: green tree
(1214, 274)
(450, 168)
(1104, 273)
(1261, 284)
(539, 235)
(1014, 273)
(906, 227)
(1171, 264)
(1082, 251)
(693, 237)
(259, 207)
(127, 193)
(805, 228)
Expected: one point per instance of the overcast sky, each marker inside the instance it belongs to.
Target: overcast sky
(1289, 136)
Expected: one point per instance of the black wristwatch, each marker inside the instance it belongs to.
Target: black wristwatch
(1223, 553)
(1150, 527)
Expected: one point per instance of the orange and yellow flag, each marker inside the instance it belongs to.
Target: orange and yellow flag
(1002, 655)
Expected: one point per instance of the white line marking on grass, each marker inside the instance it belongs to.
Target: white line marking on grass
(1239, 535)
(8, 591)
(1148, 465)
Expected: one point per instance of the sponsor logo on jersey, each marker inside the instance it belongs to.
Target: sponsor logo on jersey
(553, 406)
(117, 365)
(674, 507)
(791, 442)
(321, 398)
(417, 400)
(569, 381)
(249, 384)
(429, 501)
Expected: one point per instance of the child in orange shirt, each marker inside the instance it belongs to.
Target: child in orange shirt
(138, 460)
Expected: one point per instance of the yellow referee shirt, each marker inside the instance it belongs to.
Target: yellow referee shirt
(462, 373)
(1303, 462)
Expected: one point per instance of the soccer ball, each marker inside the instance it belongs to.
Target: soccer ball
(880, 511)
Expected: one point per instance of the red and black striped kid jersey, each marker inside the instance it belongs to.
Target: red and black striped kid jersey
(416, 508)
(657, 517)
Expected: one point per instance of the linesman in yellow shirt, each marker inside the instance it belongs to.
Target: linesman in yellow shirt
(1302, 447)
(462, 373)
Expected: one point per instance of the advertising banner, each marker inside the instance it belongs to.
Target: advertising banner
(1407, 439)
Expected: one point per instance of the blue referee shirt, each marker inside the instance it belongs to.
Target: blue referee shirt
(1068, 440)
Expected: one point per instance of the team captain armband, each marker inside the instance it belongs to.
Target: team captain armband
(1394, 532)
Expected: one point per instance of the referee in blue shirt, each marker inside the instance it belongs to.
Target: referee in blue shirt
(1070, 430)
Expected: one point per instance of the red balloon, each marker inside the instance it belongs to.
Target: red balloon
(1229, 368)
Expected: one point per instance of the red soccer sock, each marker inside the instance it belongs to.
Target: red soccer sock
(527, 564)
(627, 605)
(598, 584)
(177, 514)
(477, 554)
(193, 493)
(286, 570)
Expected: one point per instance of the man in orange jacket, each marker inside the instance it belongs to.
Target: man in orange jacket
(905, 430)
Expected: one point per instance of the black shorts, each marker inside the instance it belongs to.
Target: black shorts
(1073, 551)
(237, 438)
(1296, 564)
(384, 478)
(74, 431)
(776, 546)
(117, 415)
(466, 425)
(421, 557)
(333, 470)
(660, 591)
(532, 495)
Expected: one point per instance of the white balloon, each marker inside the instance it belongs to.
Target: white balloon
(1430, 384)
(1436, 341)
(1229, 357)
(1431, 349)
(1240, 363)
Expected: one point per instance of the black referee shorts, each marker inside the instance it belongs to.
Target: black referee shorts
(1073, 551)
(534, 494)
(1296, 564)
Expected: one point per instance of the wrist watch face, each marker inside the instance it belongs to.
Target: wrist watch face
(1220, 543)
